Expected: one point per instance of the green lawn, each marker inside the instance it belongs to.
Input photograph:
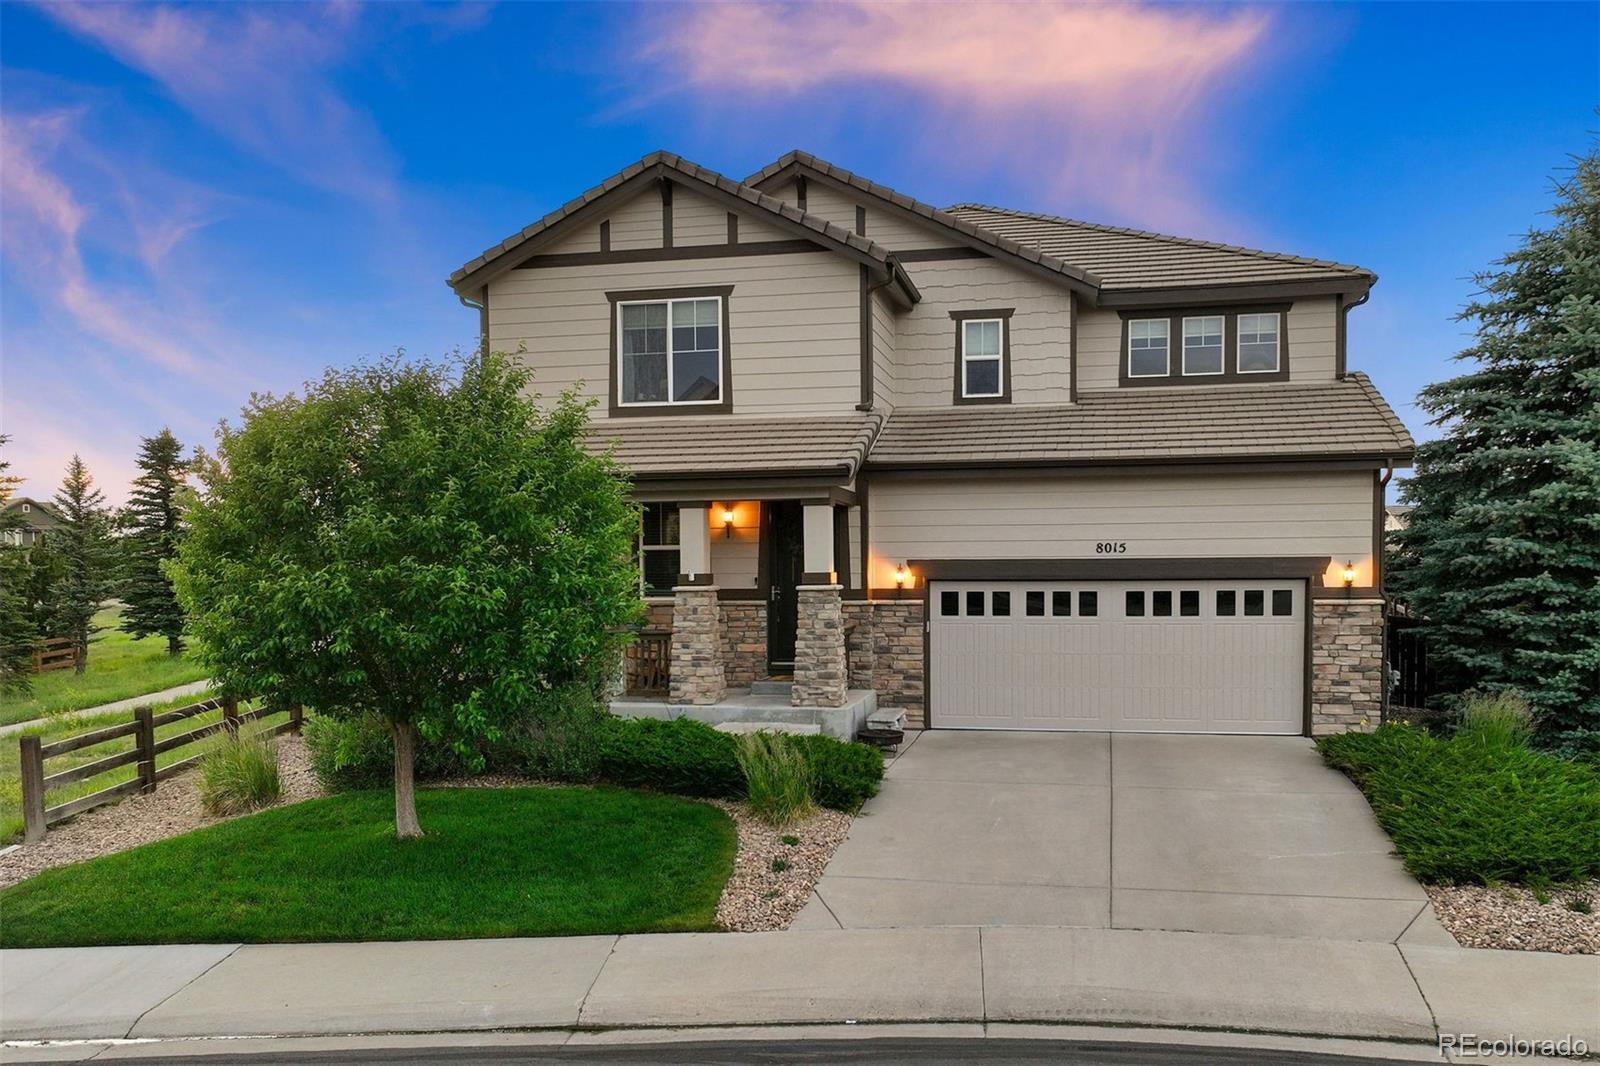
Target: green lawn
(56, 729)
(119, 667)
(494, 863)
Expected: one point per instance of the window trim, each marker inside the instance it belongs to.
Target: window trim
(618, 409)
(1222, 348)
(961, 318)
(1231, 374)
(1277, 346)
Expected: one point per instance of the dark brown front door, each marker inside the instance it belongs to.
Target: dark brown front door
(785, 548)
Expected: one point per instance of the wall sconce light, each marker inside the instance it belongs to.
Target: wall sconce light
(901, 576)
(727, 522)
(1349, 574)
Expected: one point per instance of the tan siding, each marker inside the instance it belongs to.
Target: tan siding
(753, 228)
(696, 220)
(889, 230)
(1312, 344)
(925, 336)
(883, 352)
(1157, 516)
(833, 206)
(586, 238)
(795, 325)
(734, 559)
(637, 223)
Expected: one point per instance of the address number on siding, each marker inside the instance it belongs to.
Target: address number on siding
(1110, 547)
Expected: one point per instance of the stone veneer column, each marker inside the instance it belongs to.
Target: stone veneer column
(696, 667)
(1346, 665)
(819, 659)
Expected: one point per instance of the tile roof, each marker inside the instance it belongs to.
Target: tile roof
(689, 445)
(829, 231)
(1313, 420)
(1135, 259)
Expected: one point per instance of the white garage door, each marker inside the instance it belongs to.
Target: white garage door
(1146, 656)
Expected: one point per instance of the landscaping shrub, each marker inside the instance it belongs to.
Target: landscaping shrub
(1474, 809)
(843, 776)
(352, 753)
(1499, 720)
(557, 738)
(777, 777)
(239, 774)
(683, 756)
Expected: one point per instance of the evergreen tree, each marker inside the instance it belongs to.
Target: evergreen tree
(152, 526)
(1501, 562)
(17, 628)
(84, 557)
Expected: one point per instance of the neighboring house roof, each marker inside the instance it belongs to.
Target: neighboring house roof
(1322, 420)
(1135, 259)
(685, 446)
(510, 251)
(42, 515)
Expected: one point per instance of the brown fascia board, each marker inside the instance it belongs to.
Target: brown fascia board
(1300, 461)
(1192, 295)
(727, 192)
(841, 180)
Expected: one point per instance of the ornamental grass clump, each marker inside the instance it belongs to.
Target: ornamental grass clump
(777, 777)
(1500, 720)
(239, 774)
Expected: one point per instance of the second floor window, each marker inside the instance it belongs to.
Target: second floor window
(1258, 344)
(1147, 348)
(1202, 345)
(670, 351)
(981, 353)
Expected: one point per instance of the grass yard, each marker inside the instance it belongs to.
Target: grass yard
(10, 772)
(119, 668)
(494, 863)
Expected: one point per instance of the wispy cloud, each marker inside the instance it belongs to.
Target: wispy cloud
(1097, 101)
(261, 76)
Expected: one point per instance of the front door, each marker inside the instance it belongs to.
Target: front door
(785, 548)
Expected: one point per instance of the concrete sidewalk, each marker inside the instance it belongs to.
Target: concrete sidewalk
(193, 688)
(1346, 989)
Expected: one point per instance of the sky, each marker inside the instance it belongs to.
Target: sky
(198, 202)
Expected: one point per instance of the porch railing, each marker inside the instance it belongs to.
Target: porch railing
(649, 662)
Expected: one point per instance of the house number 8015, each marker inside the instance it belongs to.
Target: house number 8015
(1110, 547)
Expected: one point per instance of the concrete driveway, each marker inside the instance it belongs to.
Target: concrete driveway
(1201, 833)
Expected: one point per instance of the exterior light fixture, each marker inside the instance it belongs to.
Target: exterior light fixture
(901, 576)
(1349, 574)
(727, 522)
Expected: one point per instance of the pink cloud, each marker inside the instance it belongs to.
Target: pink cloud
(258, 75)
(1096, 101)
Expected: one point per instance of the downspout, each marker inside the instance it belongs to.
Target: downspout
(1344, 335)
(482, 307)
(1378, 572)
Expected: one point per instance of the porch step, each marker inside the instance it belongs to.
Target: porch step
(798, 728)
(771, 688)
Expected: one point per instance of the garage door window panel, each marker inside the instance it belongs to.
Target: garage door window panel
(1282, 603)
(1000, 603)
(1161, 604)
(1133, 604)
(1255, 602)
(949, 603)
(1088, 604)
(1035, 604)
(975, 604)
(1227, 603)
(1189, 603)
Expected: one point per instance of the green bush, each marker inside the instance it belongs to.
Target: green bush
(354, 753)
(239, 774)
(1499, 720)
(843, 776)
(777, 777)
(557, 738)
(682, 756)
(1468, 810)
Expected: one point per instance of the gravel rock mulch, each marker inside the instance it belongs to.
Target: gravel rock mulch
(1511, 917)
(772, 879)
(173, 808)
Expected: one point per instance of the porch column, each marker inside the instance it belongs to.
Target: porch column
(696, 675)
(820, 676)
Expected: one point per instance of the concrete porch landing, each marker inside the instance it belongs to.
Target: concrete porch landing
(743, 708)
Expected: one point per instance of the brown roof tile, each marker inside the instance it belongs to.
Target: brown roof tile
(688, 445)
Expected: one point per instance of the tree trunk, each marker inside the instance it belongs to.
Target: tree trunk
(406, 826)
(174, 645)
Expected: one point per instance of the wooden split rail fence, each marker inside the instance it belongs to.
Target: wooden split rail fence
(37, 818)
(56, 653)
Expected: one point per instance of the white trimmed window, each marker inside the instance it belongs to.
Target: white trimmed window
(1148, 351)
(659, 549)
(1258, 343)
(670, 351)
(1202, 345)
(982, 353)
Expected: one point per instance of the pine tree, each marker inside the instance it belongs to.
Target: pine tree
(18, 631)
(1501, 562)
(85, 558)
(153, 526)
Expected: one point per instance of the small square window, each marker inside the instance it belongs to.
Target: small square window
(1227, 603)
(975, 604)
(1133, 605)
(1088, 604)
(1189, 603)
(1282, 602)
(1255, 602)
(1035, 606)
(1161, 604)
(949, 603)
(1001, 604)
(1061, 604)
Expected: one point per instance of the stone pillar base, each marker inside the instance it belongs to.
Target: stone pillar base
(696, 674)
(1346, 665)
(819, 660)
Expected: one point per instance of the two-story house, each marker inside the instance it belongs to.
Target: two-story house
(997, 469)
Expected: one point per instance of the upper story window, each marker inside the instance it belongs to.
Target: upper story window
(1258, 343)
(1147, 348)
(1213, 346)
(983, 356)
(659, 551)
(670, 352)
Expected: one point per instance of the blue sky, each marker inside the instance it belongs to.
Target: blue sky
(201, 201)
